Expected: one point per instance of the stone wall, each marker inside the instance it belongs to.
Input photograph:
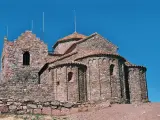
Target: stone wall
(12, 56)
(24, 90)
(55, 108)
(36, 107)
(144, 85)
(137, 84)
(65, 88)
(101, 85)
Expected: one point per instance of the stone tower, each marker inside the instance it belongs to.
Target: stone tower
(23, 58)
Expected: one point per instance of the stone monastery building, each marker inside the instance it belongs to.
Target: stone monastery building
(79, 69)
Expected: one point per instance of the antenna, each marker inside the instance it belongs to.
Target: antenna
(7, 31)
(32, 26)
(43, 21)
(43, 27)
(75, 21)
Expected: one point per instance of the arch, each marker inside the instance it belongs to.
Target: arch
(111, 69)
(26, 58)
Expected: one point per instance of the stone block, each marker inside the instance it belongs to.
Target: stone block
(37, 111)
(1, 105)
(56, 112)
(12, 107)
(40, 106)
(24, 107)
(9, 103)
(65, 111)
(19, 107)
(46, 111)
(4, 109)
(54, 107)
(21, 112)
(32, 106)
(17, 103)
(83, 109)
(73, 110)
(55, 103)
(29, 111)
(46, 104)
(68, 105)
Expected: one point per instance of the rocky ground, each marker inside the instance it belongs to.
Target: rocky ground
(147, 111)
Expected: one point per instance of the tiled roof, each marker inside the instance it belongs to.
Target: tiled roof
(68, 63)
(74, 35)
(90, 53)
(127, 63)
(60, 58)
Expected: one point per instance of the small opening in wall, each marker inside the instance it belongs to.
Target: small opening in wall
(58, 83)
(70, 75)
(111, 69)
(26, 58)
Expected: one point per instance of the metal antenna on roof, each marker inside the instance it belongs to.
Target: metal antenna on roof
(32, 26)
(43, 27)
(75, 21)
(7, 31)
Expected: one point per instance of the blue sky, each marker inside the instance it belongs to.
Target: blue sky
(133, 25)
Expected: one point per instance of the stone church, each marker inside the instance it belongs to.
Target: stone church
(79, 69)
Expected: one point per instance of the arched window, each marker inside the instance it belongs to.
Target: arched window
(70, 74)
(26, 58)
(111, 69)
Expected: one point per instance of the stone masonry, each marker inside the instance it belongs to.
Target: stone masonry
(80, 69)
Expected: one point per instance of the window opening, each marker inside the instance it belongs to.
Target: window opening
(26, 58)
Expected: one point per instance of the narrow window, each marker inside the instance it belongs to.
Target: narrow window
(58, 83)
(26, 58)
(3, 62)
(70, 74)
(111, 69)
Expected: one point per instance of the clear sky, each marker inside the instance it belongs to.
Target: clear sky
(133, 25)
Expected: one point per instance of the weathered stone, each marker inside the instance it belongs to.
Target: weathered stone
(9, 103)
(65, 111)
(68, 105)
(37, 111)
(1, 105)
(12, 107)
(56, 112)
(29, 111)
(40, 106)
(73, 110)
(4, 109)
(55, 103)
(21, 112)
(54, 107)
(10, 100)
(24, 107)
(17, 103)
(19, 107)
(46, 104)
(32, 106)
(46, 111)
